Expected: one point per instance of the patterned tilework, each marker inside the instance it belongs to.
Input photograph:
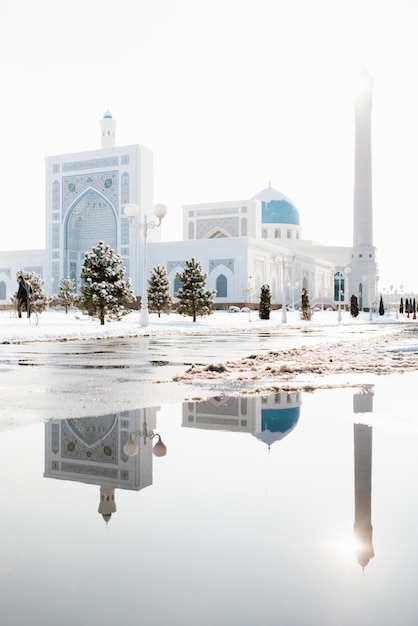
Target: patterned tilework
(106, 183)
(90, 164)
(229, 263)
(171, 265)
(229, 224)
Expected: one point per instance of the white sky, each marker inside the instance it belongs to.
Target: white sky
(229, 95)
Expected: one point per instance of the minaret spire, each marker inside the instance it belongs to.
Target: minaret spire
(363, 263)
(363, 213)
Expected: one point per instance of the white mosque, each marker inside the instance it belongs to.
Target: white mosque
(247, 243)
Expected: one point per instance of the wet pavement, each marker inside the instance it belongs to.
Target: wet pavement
(40, 380)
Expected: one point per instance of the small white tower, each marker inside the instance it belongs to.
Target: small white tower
(108, 127)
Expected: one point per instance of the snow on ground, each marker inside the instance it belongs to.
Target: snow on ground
(58, 326)
(384, 345)
(350, 353)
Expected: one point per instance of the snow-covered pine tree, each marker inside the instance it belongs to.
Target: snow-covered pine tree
(193, 297)
(66, 297)
(159, 297)
(38, 299)
(265, 300)
(354, 310)
(104, 292)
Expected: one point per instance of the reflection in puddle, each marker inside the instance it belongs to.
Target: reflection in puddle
(363, 442)
(92, 450)
(263, 497)
(269, 418)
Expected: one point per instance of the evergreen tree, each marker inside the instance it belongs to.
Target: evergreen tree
(38, 298)
(381, 306)
(306, 311)
(401, 306)
(265, 303)
(159, 298)
(66, 297)
(354, 310)
(193, 297)
(104, 292)
(407, 306)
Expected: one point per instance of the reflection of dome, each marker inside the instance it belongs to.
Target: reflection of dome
(277, 423)
(276, 208)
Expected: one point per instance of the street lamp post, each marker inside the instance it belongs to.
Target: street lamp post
(131, 447)
(347, 272)
(390, 298)
(132, 211)
(365, 280)
(285, 264)
(293, 287)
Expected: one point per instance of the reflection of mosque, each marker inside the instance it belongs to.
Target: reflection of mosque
(269, 418)
(91, 450)
(363, 441)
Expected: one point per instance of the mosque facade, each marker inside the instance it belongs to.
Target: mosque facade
(240, 244)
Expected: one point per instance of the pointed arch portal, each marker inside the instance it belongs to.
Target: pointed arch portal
(90, 220)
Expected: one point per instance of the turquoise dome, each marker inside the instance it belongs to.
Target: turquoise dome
(276, 208)
(277, 423)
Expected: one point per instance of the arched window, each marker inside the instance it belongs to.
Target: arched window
(221, 286)
(339, 287)
(244, 229)
(176, 285)
(2, 290)
(360, 293)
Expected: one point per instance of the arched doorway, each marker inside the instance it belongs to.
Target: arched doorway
(90, 220)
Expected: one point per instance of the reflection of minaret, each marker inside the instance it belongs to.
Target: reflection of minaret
(363, 530)
(363, 400)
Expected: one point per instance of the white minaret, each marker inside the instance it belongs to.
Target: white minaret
(364, 269)
(108, 127)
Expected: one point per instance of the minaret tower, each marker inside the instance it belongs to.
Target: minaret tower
(108, 127)
(364, 269)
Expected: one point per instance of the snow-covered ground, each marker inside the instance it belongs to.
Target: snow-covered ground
(386, 344)
(322, 353)
(56, 325)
